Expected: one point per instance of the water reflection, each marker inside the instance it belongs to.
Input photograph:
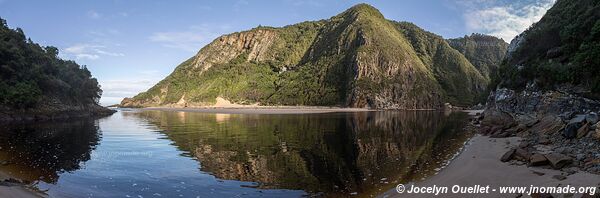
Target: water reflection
(340, 153)
(189, 154)
(42, 151)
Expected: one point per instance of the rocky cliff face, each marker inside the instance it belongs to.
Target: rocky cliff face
(354, 59)
(225, 48)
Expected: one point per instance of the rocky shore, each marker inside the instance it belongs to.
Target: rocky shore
(560, 129)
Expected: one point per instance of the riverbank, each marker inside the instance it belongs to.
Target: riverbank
(261, 109)
(479, 164)
(57, 112)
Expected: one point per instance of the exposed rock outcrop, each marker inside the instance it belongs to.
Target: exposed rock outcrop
(557, 125)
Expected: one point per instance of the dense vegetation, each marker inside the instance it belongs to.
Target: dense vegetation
(31, 75)
(483, 51)
(357, 58)
(458, 77)
(563, 47)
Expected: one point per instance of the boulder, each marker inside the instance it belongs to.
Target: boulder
(583, 130)
(548, 124)
(493, 117)
(597, 134)
(557, 160)
(570, 130)
(508, 155)
(537, 160)
(591, 118)
(522, 154)
(578, 118)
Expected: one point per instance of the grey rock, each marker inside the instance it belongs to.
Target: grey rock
(557, 160)
(578, 119)
(537, 160)
(522, 154)
(591, 118)
(571, 170)
(583, 131)
(570, 130)
(559, 177)
(524, 144)
(508, 155)
(580, 157)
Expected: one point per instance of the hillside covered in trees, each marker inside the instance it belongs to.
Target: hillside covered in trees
(562, 48)
(36, 84)
(354, 59)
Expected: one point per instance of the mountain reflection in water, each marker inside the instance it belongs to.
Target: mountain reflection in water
(140, 153)
(336, 153)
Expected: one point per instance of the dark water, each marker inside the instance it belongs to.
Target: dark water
(189, 154)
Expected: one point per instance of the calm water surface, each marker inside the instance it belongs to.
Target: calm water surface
(137, 153)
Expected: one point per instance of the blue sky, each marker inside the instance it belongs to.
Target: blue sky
(130, 45)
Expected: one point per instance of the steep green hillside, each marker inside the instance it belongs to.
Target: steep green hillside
(457, 76)
(483, 51)
(354, 59)
(563, 47)
(33, 80)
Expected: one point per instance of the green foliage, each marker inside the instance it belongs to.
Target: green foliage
(484, 52)
(31, 74)
(356, 56)
(460, 80)
(563, 47)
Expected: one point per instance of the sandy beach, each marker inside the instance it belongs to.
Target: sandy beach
(479, 164)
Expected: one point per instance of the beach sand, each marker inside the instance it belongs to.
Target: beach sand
(479, 164)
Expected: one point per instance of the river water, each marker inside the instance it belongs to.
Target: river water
(142, 153)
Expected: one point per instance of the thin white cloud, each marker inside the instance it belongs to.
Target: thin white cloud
(88, 51)
(504, 20)
(191, 39)
(114, 90)
(93, 14)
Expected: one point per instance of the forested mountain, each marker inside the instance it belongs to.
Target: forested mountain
(562, 48)
(355, 59)
(35, 81)
(483, 51)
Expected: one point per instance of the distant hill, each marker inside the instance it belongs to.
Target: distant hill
(355, 59)
(483, 51)
(36, 84)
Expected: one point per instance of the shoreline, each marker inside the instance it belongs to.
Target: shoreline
(248, 109)
(479, 164)
(11, 188)
(49, 114)
(261, 109)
